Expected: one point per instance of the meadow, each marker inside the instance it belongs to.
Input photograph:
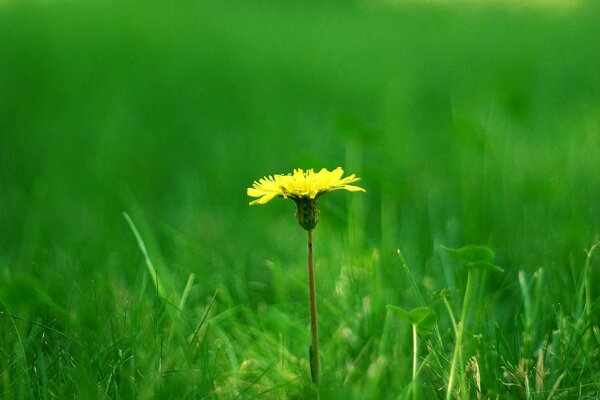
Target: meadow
(132, 266)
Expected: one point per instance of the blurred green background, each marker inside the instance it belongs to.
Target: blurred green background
(472, 123)
(468, 124)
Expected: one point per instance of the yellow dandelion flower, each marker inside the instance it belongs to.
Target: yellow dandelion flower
(301, 183)
(304, 187)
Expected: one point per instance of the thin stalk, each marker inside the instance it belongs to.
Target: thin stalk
(458, 334)
(415, 350)
(312, 299)
(413, 384)
(467, 298)
(457, 358)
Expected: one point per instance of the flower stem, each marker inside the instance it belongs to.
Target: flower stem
(312, 299)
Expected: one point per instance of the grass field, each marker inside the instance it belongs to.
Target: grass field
(132, 267)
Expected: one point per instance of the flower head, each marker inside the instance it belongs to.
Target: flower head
(301, 183)
(304, 187)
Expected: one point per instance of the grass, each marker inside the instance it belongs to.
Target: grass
(469, 125)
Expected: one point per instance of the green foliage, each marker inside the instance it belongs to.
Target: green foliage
(473, 256)
(423, 319)
(471, 123)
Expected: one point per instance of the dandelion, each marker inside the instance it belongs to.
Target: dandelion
(305, 187)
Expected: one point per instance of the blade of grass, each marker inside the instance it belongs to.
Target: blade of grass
(153, 273)
(186, 291)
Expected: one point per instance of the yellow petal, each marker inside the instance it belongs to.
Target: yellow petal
(301, 183)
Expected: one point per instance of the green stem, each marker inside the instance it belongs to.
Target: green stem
(467, 298)
(455, 354)
(457, 358)
(415, 350)
(413, 384)
(312, 299)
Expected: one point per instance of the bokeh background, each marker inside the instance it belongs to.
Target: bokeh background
(476, 122)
